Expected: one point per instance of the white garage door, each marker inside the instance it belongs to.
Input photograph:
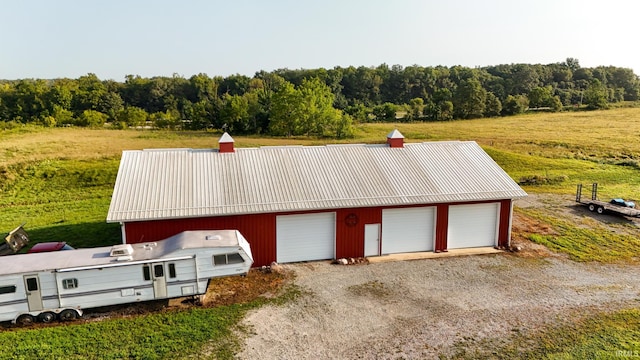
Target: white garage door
(472, 225)
(305, 237)
(407, 230)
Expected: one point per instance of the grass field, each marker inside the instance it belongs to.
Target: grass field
(59, 182)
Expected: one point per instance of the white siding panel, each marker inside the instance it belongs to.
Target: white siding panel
(305, 237)
(472, 225)
(407, 230)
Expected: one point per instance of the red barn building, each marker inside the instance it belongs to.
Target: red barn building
(300, 203)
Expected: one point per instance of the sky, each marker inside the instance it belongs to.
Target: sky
(69, 38)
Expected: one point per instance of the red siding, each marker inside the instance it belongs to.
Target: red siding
(504, 231)
(442, 227)
(396, 143)
(258, 229)
(227, 147)
(350, 230)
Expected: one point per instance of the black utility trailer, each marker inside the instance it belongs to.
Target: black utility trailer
(601, 207)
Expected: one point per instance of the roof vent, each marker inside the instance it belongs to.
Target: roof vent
(226, 143)
(124, 258)
(395, 139)
(214, 237)
(121, 250)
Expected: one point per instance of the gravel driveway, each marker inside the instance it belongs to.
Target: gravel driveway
(419, 309)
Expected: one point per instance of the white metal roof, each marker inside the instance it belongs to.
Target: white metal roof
(180, 183)
(92, 257)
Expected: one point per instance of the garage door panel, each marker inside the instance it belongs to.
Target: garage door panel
(407, 230)
(473, 225)
(305, 237)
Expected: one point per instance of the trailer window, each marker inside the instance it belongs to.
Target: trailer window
(146, 272)
(158, 271)
(234, 259)
(32, 284)
(225, 259)
(70, 283)
(7, 289)
(172, 270)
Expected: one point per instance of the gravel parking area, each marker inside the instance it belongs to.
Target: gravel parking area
(419, 309)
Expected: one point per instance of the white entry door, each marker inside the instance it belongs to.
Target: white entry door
(372, 240)
(159, 281)
(34, 295)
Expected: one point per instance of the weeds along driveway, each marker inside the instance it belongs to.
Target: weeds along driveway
(422, 308)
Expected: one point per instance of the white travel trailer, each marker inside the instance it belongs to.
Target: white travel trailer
(58, 285)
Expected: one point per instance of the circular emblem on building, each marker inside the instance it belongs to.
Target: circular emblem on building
(351, 219)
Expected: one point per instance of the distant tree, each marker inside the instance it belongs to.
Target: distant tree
(493, 106)
(627, 80)
(132, 116)
(514, 105)
(286, 111)
(469, 99)
(385, 112)
(235, 114)
(89, 93)
(358, 112)
(111, 104)
(573, 64)
(169, 119)
(62, 115)
(234, 85)
(523, 79)
(92, 118)
(416, 107)
(596, 95)
(200, 115)
(542, 97)
(48, 121)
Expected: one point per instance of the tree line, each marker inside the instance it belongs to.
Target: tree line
(318, 102)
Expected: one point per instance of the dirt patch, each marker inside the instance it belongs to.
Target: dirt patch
(234, 290)
(522, 227)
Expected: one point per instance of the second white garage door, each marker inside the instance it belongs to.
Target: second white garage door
(305, 237)
(407, 230)
(472, 225)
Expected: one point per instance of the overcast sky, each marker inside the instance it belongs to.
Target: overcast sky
(113, 38)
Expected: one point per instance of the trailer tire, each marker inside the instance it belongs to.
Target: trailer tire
(600, 210)
(592, 207)
(25, 320)
(47, 317)
(68, 315)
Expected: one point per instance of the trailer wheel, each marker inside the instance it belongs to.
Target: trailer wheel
(68, 315)
(592, 207)
(25, 320)
(47, 317)
(600, 210)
